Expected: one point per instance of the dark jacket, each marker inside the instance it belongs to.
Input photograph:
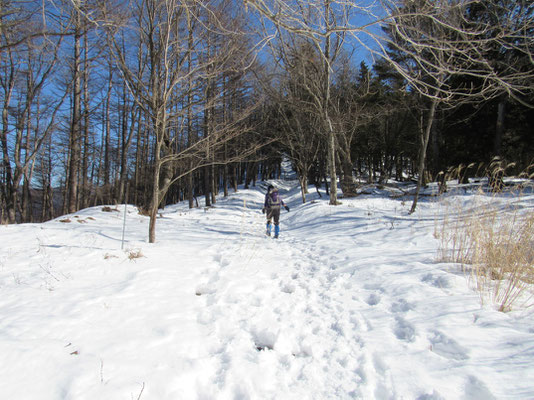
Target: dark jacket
(273, 200)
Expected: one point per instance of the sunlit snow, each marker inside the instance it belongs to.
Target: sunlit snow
(349, 303)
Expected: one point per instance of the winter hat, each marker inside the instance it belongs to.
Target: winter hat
(269, 188)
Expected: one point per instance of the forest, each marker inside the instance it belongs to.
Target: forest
(152, 102)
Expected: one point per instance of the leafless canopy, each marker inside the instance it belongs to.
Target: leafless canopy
(489, 44)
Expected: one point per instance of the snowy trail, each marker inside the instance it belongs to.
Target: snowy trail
(292, 314)
(347, 304)
(325, 316)
(366, 324)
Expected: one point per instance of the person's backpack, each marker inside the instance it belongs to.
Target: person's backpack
(274, 199)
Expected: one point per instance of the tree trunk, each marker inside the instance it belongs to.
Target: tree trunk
(138, 166)
(303, 180)
(331, 140)
(499, 128)
(207, 186)
(27, 207)
(347, 184)
(189, 189)
(225, 180)
(154, 205)
(214, 184)
(124, 145)
(85, 192)
(107, 140)
(422, 155)
(10, 191)
(436, 156)
(74, 143)
(234, 176)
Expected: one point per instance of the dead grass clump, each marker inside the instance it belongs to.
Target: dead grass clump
(134, 254)
(493, 239)
(502, 259)
(65, 220)
(144, 211)
(109, 209)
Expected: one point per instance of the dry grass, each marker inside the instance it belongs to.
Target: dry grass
(109, 209)
(133, 254)
(493, 239)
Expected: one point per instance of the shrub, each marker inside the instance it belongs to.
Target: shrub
(493, 239)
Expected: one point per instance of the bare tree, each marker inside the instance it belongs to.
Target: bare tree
(440, 41)
(178, 66)
(352, 110)
(27, 116)
(291, 109)
(438, 38)
(76, 120)
(18, 23)
(322, 22)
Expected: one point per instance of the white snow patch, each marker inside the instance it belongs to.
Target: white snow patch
(347, 304)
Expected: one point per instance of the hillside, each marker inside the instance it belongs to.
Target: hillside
(350, 303)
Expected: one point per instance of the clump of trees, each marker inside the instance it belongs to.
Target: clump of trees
(158, 101)
(151, 101)
(437, 61)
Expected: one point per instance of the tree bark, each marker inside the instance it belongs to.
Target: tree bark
(425, 137)
(10, 192)
(331, 140)
(499, 127)
(85, 192)
(74, 143)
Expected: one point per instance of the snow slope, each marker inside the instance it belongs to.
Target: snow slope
(348, 304)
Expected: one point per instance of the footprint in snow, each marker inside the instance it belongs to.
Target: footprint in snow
(215, 277)
(447, 347)
(287, 288)
(439, 281)
(219, 259)
(204, 289)
(431, 396)
(264, 339)
(257, 301)
(476, 389)
(358, 322)
(378, 288)
(401, 306)
(373, 299)
(342, 328)
(382, 389)
(404, 330)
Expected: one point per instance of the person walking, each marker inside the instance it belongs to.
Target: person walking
(271, 207)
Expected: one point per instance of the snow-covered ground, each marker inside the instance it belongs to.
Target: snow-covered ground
(349, 303)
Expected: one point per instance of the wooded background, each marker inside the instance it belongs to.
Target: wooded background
(158, 101)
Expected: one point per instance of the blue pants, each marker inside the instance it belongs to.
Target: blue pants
(273, 214)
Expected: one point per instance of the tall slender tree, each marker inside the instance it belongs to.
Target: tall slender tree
(26, 69)
(323, 23)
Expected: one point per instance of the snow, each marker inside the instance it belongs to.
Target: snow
(350, 303)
